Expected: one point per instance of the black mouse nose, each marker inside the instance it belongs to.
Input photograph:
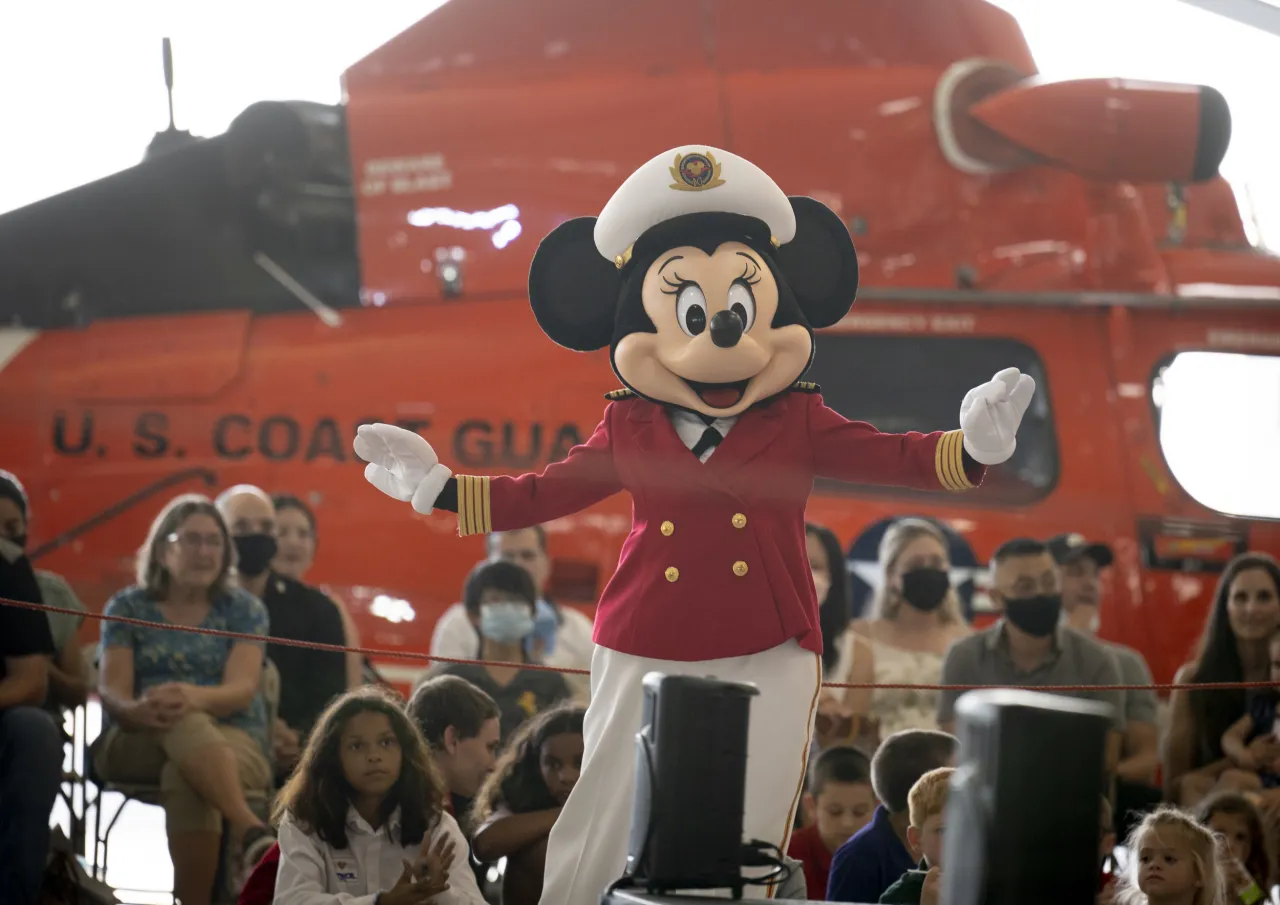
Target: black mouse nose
(726, 329)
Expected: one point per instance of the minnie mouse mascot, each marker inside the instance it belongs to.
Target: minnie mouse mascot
(706, 282)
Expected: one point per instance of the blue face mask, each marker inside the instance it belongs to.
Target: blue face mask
(506, 623)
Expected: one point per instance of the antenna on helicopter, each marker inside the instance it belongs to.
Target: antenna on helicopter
(168, 78)
(172, 138)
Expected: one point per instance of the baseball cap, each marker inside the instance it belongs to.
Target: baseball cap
(1071, 547)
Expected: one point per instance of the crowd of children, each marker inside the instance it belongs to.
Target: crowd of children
(367, 815)
(874, 832)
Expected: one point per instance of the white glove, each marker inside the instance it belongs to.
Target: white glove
(990, 415)
(401, 464)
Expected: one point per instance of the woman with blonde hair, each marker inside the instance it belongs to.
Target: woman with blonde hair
(915, 617)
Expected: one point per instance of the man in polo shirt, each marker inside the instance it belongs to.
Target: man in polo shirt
(1082, 563)
(1029, 646)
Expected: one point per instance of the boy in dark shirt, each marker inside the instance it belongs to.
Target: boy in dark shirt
(877, 855)
(838, 803)
(927, 805)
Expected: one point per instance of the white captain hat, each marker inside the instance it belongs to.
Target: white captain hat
(695, 179)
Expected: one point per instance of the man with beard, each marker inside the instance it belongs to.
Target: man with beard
(309, 679)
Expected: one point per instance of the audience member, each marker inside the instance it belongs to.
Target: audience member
(562, 636)
(68, 671)
(835, 724)
(1233, 648)
(521, 799)
(499, 598)
(839, 801)
(1250, 742)
(877, 855)
(298, 535)
(1172, 861)
(1029, 646)
(363, 817)
(309, 679)
(927, 805)
(461, 725)
(915, 618)
(30, 747)
(1082, 563)
(185, 710)
(1247, 850)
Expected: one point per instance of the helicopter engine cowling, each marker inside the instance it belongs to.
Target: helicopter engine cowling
(991, 118)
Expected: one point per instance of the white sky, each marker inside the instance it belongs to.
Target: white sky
(84, 92)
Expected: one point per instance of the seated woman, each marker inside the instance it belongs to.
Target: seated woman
(1234, 648)
(501, 602)
(520, 801)
(185, 711)
(297, 536)
(915, 618)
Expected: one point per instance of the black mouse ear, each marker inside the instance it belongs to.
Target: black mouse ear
(573, 289)
(819, 264)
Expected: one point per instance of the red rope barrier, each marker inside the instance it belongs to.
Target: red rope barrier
(406, 655)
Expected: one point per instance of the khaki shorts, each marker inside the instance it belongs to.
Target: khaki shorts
(151, 757)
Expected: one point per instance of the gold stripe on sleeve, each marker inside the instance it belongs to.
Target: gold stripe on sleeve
(952, 461)
(939, 457)
(473, 505)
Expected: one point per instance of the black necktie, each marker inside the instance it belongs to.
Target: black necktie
(710, 439)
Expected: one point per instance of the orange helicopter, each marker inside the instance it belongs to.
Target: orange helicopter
(231, 309)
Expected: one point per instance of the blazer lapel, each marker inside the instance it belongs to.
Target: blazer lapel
(749, 437)
(666, 459)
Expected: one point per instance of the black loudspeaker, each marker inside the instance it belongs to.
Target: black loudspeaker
(1025, 803)
(691, 777)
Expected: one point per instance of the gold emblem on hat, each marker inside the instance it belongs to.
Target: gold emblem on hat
(695, 172)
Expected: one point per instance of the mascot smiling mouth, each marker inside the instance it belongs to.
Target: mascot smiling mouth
(719, 395)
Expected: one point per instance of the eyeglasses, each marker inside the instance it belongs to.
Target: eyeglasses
(190, 540)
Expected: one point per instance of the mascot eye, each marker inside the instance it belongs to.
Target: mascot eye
(743, 303)
(691, 309)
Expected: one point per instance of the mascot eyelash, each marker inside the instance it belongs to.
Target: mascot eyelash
(718, 441)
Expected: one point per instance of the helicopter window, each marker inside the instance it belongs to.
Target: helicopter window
(916, 383)
(1218, 419)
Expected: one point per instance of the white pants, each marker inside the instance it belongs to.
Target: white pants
(587, 848)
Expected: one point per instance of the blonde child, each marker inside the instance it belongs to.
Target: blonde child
(1173, 860)
(927, 806)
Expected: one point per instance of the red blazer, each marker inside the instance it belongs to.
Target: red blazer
(715, 564)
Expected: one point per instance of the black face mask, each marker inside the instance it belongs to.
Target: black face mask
(1037, 616)
(925, 589)
(254, 553)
